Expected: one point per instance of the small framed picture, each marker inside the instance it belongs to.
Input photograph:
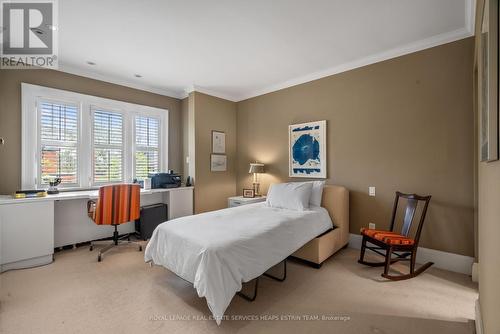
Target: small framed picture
(218, 163)
(248, 193)
(218, 142)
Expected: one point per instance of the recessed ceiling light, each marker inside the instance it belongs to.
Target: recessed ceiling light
(91, 63)
(137, 75)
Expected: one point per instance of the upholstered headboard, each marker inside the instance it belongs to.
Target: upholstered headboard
(336, 201)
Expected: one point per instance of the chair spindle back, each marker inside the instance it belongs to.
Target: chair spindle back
(409, 212)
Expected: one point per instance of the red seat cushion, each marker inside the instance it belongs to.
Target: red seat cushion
(387, 237)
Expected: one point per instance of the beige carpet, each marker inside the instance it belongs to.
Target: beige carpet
(122, 294)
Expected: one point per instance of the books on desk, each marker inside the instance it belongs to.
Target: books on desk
(30, 193)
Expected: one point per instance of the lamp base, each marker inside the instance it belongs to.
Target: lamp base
(256, 188)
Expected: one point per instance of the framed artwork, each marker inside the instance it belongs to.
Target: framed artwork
(218, 142)
(488, 82)
(307, 150)
(248, 193)
(218, 163)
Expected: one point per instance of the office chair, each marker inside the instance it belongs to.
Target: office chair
(117, 204)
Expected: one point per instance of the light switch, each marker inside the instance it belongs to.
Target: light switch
(187, 160)
(371, 191)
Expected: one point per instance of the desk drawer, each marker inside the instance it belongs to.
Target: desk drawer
(234, 203)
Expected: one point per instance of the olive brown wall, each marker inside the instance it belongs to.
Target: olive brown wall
(213, 188)
(10, 114)
(403, 124)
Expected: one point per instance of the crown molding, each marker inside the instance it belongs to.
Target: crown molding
(470, 15)
(466, 31)
(199, 89)
(118, 81)
(420, 45)
(396, 52)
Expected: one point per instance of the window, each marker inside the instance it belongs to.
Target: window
(147, 139)
(58, 138)
(108, 147)
(88, 141)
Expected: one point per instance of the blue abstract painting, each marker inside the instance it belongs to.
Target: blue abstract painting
(307, 154)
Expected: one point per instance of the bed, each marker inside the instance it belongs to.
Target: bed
(218, 251)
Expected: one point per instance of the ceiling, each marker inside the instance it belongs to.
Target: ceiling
(237, 49)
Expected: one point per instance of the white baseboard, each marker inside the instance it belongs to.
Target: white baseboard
(479, 319)
(475, 272)
(443, 260)
(29, 263)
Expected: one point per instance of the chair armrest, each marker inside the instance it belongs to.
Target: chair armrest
(91, 209)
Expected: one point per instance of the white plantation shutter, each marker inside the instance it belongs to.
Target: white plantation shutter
(58, 138)
(108, 146)
(147, 140)
(88, 141)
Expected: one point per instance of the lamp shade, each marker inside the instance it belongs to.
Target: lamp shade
(256, 168)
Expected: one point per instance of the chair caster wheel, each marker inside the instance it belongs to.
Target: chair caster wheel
(99, 258)
(140, 248)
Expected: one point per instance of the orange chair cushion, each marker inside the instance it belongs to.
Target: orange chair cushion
(387, 237)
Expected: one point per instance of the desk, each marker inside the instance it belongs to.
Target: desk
(30, 228)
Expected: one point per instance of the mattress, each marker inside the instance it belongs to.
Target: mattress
(219, 250)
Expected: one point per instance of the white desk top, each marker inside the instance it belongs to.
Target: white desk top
(70, 195)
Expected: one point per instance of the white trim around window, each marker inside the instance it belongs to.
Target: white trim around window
(32, 95)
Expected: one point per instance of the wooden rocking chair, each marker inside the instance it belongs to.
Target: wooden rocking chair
(401, 245)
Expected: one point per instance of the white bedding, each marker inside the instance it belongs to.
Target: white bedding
(218, 250)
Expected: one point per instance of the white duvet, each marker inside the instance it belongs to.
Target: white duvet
(217, 251)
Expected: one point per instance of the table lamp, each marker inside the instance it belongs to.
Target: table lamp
(255, 169)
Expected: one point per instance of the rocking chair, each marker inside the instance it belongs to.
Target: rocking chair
(401, 245)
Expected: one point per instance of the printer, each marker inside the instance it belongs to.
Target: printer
(165, 180)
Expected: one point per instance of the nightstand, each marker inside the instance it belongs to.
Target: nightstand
(240, 200)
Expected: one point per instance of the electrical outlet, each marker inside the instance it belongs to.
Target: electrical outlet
(371, 191)
(371, 226)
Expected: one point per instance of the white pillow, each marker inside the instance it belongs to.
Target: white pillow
(317, 193)
(292, 196)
